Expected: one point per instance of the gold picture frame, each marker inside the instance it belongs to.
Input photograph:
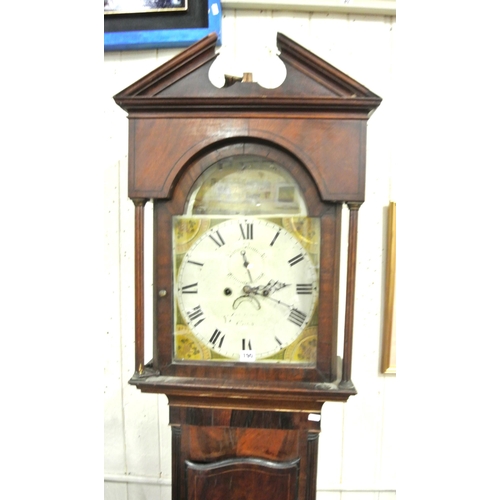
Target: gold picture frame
(389, 332)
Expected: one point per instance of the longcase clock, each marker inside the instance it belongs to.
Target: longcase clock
(248, 186)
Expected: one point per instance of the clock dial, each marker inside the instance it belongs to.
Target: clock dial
(246, 288)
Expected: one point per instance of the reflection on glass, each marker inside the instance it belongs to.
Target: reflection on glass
(247, 185)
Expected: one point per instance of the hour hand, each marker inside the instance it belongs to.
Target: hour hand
(246, 264)
(272, 286)
(265, 291)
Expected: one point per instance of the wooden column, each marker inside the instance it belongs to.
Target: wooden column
(178, 487)
(139, 284)
(351, 285)
(312, 464)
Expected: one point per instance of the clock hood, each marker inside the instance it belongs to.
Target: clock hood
(311, 84)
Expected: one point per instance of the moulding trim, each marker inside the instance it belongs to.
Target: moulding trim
(377, 7)
(161, 481)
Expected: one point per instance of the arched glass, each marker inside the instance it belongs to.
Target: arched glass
(247, 185)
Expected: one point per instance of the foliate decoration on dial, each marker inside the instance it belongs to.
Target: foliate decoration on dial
(304, 349)
(187, 346)
(246, 288)
(306, 230)
(185, 231)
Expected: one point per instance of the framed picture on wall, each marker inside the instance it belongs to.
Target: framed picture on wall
(140, 6)
(157, 24)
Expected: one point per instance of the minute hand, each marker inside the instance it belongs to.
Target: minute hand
(297, 317)
(265, 292)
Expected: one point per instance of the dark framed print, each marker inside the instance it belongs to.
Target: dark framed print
(141, 6)
(156, 24)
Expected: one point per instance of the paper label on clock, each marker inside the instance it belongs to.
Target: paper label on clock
(247, 356)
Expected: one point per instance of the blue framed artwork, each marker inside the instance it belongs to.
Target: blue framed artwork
(157, 24)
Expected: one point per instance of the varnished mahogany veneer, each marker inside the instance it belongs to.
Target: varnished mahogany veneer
(246, 430)
(265, 454)
(257, 478)
(162, 146)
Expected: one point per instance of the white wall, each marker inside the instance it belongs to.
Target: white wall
(357, 443)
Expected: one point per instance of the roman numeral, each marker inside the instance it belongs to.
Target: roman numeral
(217, 239)
(275, 238)
(195, 263)
(246, 346)
(195, 314)
(278, 340)
(297, 317)
(247, 231)
(304, 288)
(193, 288)
(296, 259)
(215, 337)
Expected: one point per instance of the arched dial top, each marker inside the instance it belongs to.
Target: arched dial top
(246, 184)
